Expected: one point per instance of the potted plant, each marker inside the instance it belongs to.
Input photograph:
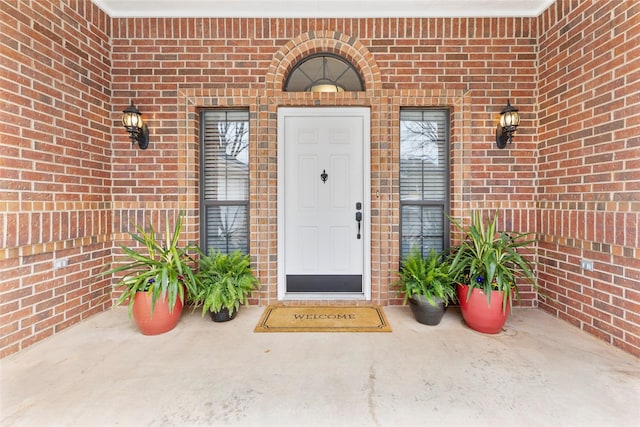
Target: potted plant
(225, 281)
(487, 265)
(427, 285)
(155, 280)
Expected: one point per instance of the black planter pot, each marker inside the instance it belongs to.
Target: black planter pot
(426, 313)
(222, 315)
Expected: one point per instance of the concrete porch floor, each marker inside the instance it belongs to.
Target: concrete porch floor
(539, 372)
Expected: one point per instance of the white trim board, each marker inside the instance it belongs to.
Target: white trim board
(323, 8)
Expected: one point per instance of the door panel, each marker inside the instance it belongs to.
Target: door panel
(339, 243)
(323, 179)
(340, 184)
(309, 245)
(308, 195)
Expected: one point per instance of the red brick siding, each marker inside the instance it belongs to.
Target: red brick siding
(589, 168)
(72, 182)
(55, 168)
(404, 62)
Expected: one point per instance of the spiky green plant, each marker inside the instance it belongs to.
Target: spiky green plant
(428, 276)
(224, 281)
(162, 268)
(489, 259)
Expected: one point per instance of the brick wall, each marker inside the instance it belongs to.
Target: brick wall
(55, 158)
(589, 166)
(170, 66)
(72, 182)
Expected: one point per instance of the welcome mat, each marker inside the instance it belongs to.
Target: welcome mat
(280, 318)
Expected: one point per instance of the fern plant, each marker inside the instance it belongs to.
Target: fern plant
(428, 277)
(224, 281)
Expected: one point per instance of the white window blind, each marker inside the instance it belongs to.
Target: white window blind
(225, 180)
(424, 180)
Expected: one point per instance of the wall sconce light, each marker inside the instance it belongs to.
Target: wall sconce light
(509, 121)
(137, 128)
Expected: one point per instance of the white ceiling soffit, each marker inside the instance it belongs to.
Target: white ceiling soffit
(323, 8)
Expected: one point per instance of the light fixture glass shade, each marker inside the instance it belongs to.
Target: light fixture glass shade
(509, 116)
(133, 123)
(132, 118)
(326, 88)
(509, 121)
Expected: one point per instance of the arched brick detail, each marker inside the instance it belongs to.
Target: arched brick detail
(323, 41)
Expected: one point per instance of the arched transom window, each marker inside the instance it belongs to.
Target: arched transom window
(323, 72)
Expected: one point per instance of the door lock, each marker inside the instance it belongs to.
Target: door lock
(359, 218)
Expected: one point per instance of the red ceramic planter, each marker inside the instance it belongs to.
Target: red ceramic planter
(158, 322)
(488, 318)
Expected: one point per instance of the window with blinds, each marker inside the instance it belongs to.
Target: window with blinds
(424, 180)
(224, 180)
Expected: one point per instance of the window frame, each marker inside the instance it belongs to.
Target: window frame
(299, 68)
(444, 204)
(204, 203)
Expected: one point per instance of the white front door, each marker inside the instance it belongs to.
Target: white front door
(323, 213)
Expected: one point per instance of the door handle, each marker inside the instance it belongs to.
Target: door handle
(359, 220)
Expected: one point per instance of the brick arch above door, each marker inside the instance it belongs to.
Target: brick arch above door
(323, 41)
